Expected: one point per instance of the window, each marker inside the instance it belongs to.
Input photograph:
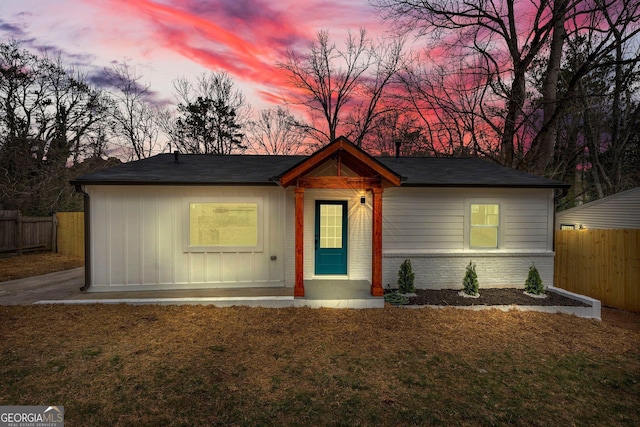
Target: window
(483, 228)
(223, 226)
(330, 226)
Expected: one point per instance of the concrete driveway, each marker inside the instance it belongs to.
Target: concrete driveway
(53, 286)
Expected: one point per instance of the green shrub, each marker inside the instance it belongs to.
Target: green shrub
(533, 285)
(406, 278)
(470, 282)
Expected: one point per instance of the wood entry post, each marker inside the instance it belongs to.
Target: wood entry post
(376, 244)
(298, 289)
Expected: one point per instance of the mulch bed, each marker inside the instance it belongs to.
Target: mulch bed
(501, 296)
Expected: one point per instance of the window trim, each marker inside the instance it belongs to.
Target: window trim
(468, 227)
(186, 238)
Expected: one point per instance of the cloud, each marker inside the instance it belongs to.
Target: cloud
(22, 33)
(13, 31)
(246, 38)
(103, 78)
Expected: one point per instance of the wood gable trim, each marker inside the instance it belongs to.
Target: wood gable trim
(339, 182)
(349, 155)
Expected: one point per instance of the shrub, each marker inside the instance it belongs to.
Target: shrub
(533, 285)
(406, 278)
(470, 282)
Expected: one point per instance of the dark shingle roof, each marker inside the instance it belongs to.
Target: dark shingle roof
(463, 172)
(195, 169)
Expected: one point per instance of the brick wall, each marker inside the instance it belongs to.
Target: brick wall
(446, 271)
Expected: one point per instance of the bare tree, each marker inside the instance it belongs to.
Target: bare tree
(18, 74)
(72, 112)
(507, 43)
(398, 130)
(608, 33)
(134, 121)
(276, 131)
(334, 82)
(453, 104)
(50, 114)
(609, 116)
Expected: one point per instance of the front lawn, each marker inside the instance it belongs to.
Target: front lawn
(35, 264)
(199, 365)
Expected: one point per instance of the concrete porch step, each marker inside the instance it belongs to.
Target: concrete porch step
(338, 294)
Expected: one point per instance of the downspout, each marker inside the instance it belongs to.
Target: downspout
(556, 201)
(87, 238)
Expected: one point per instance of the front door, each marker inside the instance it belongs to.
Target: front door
(331, 237)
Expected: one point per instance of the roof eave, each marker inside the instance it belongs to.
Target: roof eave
(175, 183)
(475, 185)
(275, 184)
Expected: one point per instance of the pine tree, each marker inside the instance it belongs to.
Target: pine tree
(470, 282)
(406, 278)
(533, 285)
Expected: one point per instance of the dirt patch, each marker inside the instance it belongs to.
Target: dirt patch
(501, 296)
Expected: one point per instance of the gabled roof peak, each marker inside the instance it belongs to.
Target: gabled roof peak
(352, 156)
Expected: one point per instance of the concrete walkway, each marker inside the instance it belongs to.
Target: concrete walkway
(53, 286)
(64, 288)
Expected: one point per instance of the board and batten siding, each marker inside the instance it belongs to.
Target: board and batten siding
(138, 235)
(430, 226)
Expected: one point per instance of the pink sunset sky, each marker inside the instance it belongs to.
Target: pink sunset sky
(164, 39)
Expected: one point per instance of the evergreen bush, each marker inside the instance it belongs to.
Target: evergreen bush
(470, 282)
(533, 285)
(406, 278)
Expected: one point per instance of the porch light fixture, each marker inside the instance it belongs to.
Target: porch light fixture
(363, 200)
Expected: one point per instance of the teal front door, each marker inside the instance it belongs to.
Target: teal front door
(331, 237)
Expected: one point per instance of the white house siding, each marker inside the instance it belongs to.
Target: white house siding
(620, 210)
(138, 234)
(430, 227)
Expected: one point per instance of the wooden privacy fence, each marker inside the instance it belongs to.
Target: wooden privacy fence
(22, 234)
(602, 264)
(71, 233)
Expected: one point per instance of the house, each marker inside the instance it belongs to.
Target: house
(180, 221)
(616, 211)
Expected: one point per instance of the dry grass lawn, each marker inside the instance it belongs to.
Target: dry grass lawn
(200, 365)
(35, 264)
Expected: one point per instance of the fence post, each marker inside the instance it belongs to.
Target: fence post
(19, 232)
(54, 236)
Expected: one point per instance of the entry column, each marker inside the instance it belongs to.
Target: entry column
(376, 244)
(298, 289)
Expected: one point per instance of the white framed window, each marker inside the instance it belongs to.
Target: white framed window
(484, 225)
(223, 225)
